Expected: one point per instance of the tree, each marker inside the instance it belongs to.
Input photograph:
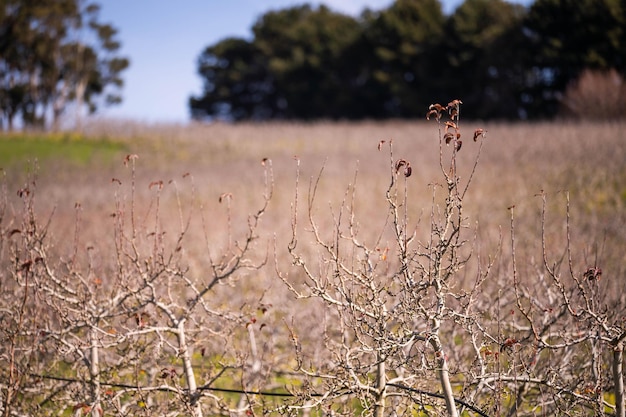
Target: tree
(573, 328)
(565, 37)
(127, 335)
(293, 68)
(30, 31)
(238, 83)
(48, 64)
(506, 60)
(92, 69)
(394, 307)
(304, 47)
(484, 58)
(398, 58)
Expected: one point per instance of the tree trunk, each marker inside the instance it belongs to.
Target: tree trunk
(440, 355)
(94, 373)
(444, 375)
(10, 122)
(381, 383)
(81, 87)
(58, 106)
(190, 378)
(618, 379)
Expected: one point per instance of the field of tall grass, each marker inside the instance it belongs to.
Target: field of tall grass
(562, 183)
(518, 162)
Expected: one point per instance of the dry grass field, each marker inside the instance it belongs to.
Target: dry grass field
(517, 162)
(205, 181)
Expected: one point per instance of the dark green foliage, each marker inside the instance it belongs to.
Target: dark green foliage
(305, 49)
(566, 37)
(503, 60)
(295, 68)
(400, 57)
(484, 58)
(45, 64)
(237, 82)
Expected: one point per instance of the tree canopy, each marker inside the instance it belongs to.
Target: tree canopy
(54, 53)
(505, 60)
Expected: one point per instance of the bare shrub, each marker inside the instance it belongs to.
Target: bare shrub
(419, 319)
(397, 302)
(572, 326)
(596, 95)
(137, 333)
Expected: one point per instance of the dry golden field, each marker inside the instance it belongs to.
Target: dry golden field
(205, 180)
(517, 162)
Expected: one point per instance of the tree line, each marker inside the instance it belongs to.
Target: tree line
(504, 60)
(56, 54)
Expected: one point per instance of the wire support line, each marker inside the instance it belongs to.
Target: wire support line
(167, 388)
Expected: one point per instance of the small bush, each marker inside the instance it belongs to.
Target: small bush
(596, 95)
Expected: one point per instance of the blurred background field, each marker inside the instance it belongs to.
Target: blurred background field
(518, 161)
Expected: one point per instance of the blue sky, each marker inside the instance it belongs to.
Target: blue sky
(163, 39)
